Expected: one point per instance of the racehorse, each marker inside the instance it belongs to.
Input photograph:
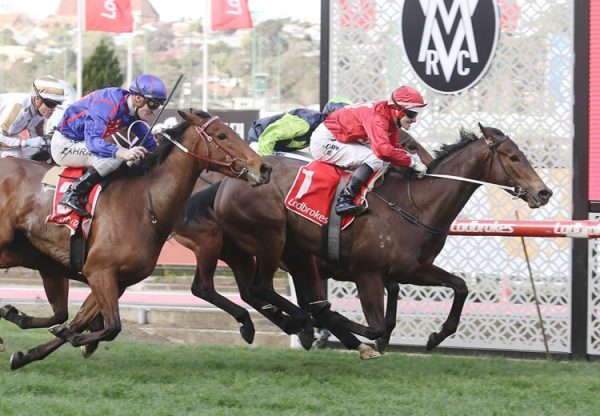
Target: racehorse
(140, 225)
(200, 233)
(396, 242)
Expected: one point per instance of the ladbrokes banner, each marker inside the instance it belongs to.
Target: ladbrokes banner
(108, 15)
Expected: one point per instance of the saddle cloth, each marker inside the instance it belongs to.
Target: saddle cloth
(313, 191)
(63, 215)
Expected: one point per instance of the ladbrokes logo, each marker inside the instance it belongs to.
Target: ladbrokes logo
(450, 43)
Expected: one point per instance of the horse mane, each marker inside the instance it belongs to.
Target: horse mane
(198, 205)
(466, 138)
(159, 155)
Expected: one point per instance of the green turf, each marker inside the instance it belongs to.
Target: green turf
(128, 378)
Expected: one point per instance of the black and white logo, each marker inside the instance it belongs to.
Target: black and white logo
(450, 43)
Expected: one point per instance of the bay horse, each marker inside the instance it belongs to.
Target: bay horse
(134, 217)
(199, 232)
(395, 243)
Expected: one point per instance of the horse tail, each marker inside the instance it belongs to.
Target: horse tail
(201, 203)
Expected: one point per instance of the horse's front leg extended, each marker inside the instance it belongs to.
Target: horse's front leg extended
(434, 276)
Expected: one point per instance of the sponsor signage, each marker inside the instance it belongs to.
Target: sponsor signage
(450, 44)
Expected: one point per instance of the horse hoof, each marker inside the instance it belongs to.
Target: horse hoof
(367, 353)
(247, 332)
(8, 310)
(88, 349)
(16, 360)
(433, 341)
(59, 330)
(306, 338)
(381, 345)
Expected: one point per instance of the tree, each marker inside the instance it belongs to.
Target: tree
(102, 69)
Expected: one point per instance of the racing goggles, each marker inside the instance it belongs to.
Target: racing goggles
(153, 104)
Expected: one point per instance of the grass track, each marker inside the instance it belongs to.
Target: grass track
(129, 378)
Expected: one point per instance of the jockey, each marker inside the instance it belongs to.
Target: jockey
(364, 137)
(291, 131)
(23, 111)
(79, 138)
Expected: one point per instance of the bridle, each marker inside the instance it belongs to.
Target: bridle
(229, 162)
(516, 191)
(208, 140)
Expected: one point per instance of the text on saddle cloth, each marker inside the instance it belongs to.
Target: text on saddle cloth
(313, 191)
(63, 215)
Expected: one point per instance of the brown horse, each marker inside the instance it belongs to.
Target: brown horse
(199, 232)
(396, 242)
(138, 225)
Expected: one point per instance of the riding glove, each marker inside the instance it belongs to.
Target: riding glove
(417, 165)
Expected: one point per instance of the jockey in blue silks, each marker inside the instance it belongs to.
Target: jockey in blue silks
(80, 136)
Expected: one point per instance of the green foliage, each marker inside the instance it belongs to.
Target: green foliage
(102, 69)
(128, 378)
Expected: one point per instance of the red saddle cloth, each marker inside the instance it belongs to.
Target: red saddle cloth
(63, 215)
(313, 190)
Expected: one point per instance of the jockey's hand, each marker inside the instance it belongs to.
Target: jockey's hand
(133, 154)
(417, 165)
(34, 142)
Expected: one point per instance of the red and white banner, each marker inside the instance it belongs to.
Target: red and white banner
(230, 15)
(108, 16)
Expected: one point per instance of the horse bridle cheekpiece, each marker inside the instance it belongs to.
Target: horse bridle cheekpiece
(230, 161)
(516, 190)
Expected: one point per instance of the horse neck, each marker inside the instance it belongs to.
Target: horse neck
(170, 186)
(441, 200)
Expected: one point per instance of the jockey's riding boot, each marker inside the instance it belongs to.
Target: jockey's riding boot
(345, 204)
(79, 190)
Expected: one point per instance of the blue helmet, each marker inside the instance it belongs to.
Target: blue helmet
(334, 104)
(149, 86)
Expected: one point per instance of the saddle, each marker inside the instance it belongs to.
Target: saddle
(60, 178)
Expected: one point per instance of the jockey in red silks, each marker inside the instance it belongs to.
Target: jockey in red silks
(79, 138)
(364, 137)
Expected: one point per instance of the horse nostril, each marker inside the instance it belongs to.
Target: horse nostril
(265, 171)
(544, 194)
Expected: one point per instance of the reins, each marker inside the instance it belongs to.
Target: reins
(515, 190)
(201, 130)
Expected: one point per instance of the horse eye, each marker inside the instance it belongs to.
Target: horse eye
(221, 136)
(514, 158)
(412, 147)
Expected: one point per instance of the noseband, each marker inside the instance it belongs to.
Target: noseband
(229, 162)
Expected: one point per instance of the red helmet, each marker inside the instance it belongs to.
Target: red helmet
(407, 98)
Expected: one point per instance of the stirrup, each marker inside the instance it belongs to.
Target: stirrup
(78, 209)
(350, 209)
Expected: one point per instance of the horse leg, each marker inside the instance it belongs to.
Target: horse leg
(57, 292)
(87, 313)
(391, 311)
(310, 293)
(434, 276)
(370, 292)
(106, 293)
(267, 263)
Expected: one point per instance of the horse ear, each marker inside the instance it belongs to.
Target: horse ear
(189, 117)
(483, 129)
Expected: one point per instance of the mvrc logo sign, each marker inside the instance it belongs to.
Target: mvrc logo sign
(450, 43)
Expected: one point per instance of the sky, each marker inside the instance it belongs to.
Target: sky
(172, 10)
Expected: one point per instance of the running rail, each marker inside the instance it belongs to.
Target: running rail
(522, 228)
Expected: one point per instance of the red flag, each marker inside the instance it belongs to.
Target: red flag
(230, 14)
(108, 15)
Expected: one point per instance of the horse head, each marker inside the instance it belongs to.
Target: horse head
(213, 143)
(510, 167)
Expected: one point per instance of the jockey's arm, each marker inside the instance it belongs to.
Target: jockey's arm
(287, 127)
(8, 134)
(384, 149)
